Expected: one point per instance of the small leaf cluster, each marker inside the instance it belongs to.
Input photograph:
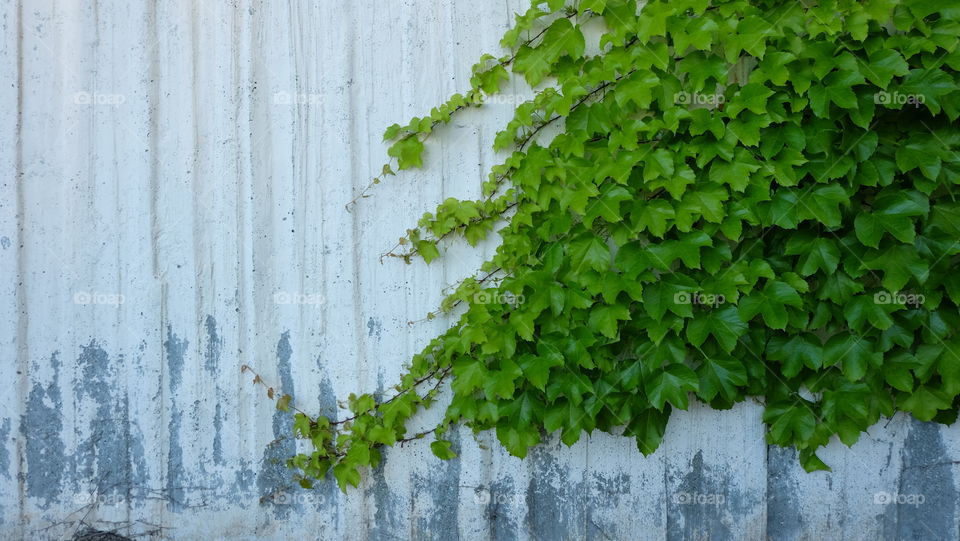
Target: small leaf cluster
(744, 200)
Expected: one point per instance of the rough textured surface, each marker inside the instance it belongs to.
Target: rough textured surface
(172, 207)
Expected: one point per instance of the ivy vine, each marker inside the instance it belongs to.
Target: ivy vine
(744, 199)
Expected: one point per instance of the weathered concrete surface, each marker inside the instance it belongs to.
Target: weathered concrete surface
(172, 207)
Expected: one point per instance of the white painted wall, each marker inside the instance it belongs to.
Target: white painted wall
(193, 160)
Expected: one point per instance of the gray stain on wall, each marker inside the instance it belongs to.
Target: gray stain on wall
(388, 518)
(41, 426)
(110, 454)
(374, 327)
(499, 499)
(217, 437)
(928, 475)
(103, 457)
(211, 362)
(4, 454)
(214, 347)
(327, 491)
(274, 477)
(605, 493)
(556, 500)
(441, 486)
(176, 475)
(705, 503)
(176, 351)
(784, 518)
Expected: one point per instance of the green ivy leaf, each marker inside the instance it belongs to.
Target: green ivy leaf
(724, 324)
(815, 253)
(854, 354)
(408, 152)
(605, 319)
(795, 353)
(865, 308)
(468, 377)
(823, 204)
(441, 449)
(925, 402)
(923, 153)
(899, 264)
(589, 252)
(884, 65)
(771, 302)
(516, 440)
(648, 428)
(789, 422)
(671, 384)
(737, 173)
(721, 376)
(345, 475)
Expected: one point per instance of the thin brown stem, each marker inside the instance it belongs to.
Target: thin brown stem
(443, 374)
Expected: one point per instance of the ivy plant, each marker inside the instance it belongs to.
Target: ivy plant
(743, 199)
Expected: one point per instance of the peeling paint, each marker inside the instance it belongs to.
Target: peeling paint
(704, 503)
(211, 362)
(103, 458)
(327, 399)
(925, 474)
(211, 358)
(498, 513)
(41, 425)
(244, 478)
(140, 475)
(556, 505)
(176, 487)
(274, 477)
(441, 486)
(374, 328)
(176, 351)
(217, 436)
(4, 454)
(176, 472)
(605, 492)
(327, 489)
(387, 518)
(784, 515)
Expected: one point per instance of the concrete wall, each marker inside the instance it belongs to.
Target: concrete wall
(174, 176)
